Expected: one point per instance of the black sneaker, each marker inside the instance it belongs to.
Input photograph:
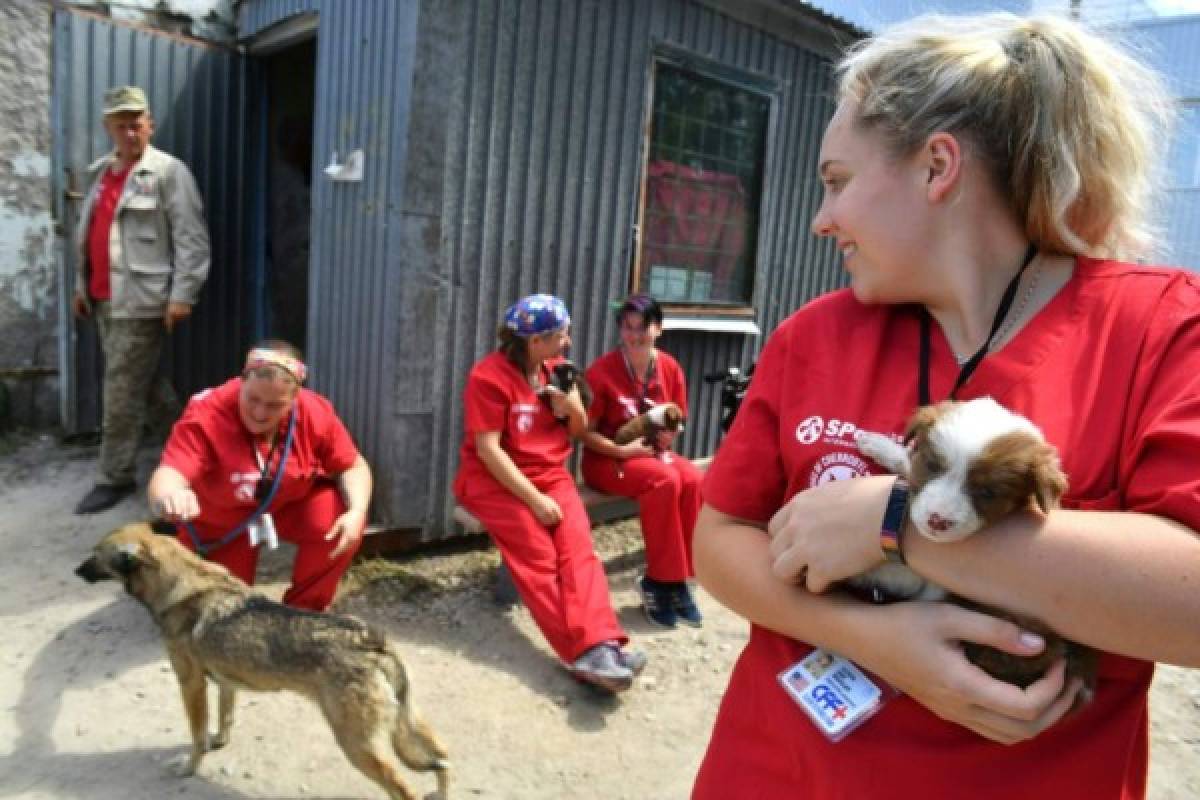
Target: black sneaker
(684, 606)
(657, 602)
(104, 496)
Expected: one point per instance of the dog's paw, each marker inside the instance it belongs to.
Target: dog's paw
(183, 765)
(218, 740)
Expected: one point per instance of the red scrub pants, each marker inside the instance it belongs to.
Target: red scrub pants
(668, 497)
(304, 523)
(556, 571)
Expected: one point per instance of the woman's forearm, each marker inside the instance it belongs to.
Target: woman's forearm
(733, 564)
(355, 485)
(502, 468)
(600, 444)
(1123, 582)
(165, 481)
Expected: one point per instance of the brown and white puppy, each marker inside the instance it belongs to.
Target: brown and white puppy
(969, 465)
(647, 425)
(215, 627)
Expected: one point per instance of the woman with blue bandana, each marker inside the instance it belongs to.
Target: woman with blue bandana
(512, 476)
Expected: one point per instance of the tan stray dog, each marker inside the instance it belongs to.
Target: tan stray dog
(216, 627)
(647, 425)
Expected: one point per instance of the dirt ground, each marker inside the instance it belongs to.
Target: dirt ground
(91, 708)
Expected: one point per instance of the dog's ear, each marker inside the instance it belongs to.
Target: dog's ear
(1049, 481)
(126, 559)
(922, 421)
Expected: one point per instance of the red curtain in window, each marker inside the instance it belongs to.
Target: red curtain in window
(695, 218)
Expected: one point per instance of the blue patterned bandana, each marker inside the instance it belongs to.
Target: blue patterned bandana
(536, 314)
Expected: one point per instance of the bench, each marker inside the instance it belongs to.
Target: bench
(601, 507)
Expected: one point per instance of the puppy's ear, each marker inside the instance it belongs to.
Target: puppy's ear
(1049, 481)
(922, 421)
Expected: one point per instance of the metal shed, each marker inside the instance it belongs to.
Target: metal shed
(503, 149)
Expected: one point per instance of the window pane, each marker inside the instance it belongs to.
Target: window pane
(703, 185)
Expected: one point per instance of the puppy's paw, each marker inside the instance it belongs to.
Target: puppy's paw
(218, 740)
(883, 450)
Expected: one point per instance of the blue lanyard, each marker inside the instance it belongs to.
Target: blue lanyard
(204, 549)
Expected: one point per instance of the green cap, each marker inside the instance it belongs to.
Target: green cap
(124, 98)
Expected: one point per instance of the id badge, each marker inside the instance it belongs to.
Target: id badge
(262, 531)
(835, 694)
(268, 531)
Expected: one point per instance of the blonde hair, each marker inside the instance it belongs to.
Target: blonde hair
(1071, 127)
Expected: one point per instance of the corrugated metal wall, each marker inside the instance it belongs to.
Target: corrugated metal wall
(196, 93)
(356, 286)
(542, 161)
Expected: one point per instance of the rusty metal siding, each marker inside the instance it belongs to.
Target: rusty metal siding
(195, 92)
(543, 153)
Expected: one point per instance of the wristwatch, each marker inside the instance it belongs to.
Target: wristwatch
(894, 516)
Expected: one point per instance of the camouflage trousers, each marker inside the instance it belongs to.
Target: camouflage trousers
(131, 351)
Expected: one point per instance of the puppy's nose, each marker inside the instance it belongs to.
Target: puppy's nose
(939, 523)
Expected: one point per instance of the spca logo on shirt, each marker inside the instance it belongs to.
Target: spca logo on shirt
(834, 431)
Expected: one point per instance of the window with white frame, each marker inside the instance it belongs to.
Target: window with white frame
(701, 190)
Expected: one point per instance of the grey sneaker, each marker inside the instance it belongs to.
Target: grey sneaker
(602, 666)
(633, 660)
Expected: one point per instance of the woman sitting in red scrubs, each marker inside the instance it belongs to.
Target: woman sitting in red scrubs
(512, 477)
(625, 383)
(258, 459)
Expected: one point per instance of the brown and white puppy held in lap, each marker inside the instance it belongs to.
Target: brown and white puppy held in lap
(647, 425)
(216, 627)
(970, 464)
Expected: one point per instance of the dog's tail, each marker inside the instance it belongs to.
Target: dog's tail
(412, 738)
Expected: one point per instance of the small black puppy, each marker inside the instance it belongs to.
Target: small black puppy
(564, 375)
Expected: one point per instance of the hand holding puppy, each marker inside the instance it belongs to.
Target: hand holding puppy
(916, 647)
(829, 532)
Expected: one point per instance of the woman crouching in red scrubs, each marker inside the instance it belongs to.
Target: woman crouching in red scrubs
(512, 476)
(259, 459)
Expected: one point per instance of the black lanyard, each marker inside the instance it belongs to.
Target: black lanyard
(972, 363)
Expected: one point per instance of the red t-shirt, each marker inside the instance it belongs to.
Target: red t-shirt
(499, 398)
(212, 449)
(617, 396)
(1110, 371)
(103, 211)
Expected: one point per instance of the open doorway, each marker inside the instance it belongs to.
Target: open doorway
(290, 75)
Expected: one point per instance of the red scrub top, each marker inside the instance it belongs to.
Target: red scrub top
(1110, 371)
(104, 209)
(499, 398)
(211, 447)
(619, 397)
